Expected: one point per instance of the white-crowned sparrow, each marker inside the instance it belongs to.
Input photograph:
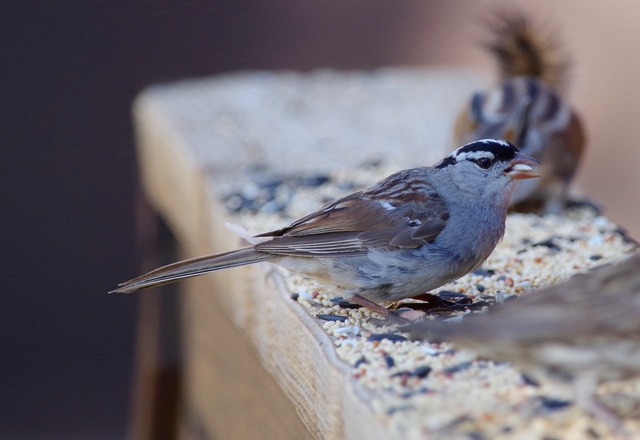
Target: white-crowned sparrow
(411, 232)
(578, 333)
(526, 108)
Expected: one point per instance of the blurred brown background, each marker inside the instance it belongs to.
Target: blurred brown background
(70, 72)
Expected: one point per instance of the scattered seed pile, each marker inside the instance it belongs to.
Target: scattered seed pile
(420, 389)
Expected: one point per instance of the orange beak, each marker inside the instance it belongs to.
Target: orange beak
(521, 167)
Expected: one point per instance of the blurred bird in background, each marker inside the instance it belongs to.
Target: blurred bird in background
(527, 109)
(578, 333)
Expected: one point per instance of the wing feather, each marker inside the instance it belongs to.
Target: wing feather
(402, 211)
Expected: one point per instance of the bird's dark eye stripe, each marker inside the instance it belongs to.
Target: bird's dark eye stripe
(449, 160)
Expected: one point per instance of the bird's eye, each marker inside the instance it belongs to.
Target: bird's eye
(484, 162)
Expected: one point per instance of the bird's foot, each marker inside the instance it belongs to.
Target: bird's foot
(387, 314)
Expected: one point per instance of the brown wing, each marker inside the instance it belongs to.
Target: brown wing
(602, 302)
(402, 211)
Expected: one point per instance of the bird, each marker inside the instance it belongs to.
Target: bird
(527, 107)
(409, 233)
(576, 334)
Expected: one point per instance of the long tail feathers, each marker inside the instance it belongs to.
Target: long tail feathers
(523, 48)
(193, 267)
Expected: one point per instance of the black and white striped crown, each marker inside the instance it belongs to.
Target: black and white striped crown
(494, 149)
